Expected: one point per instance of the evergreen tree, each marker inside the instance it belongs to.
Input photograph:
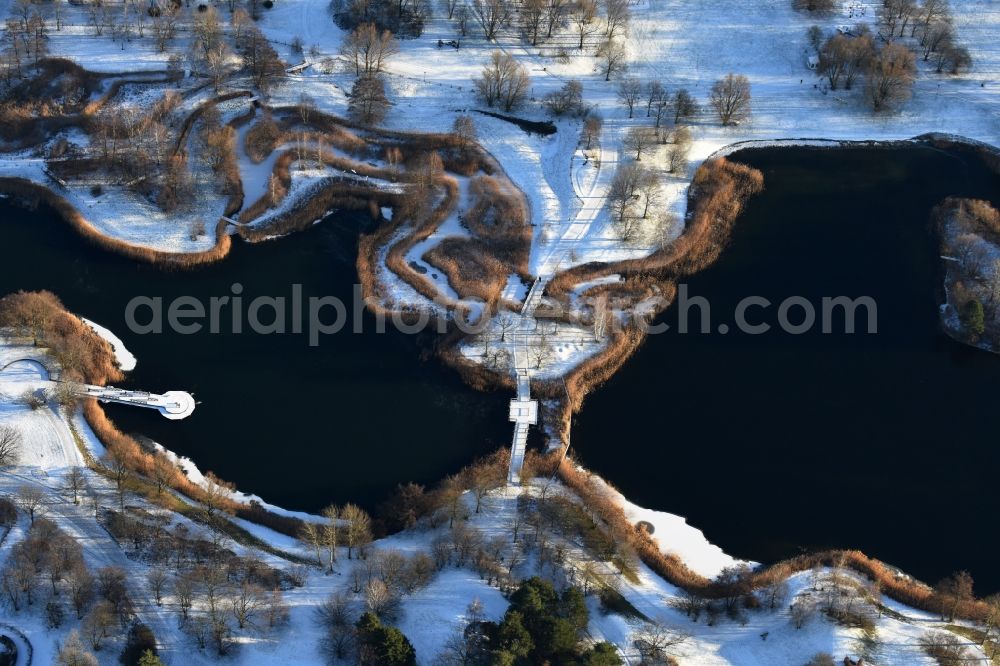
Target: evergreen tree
(602, 654)
(381, 645)
(974, 319)
(140, 641)
(512, 636)
(149, 659)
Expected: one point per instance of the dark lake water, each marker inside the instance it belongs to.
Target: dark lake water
(301, 426)
(771, 443)
(776, 443)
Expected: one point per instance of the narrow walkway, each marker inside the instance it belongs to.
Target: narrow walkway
(173, 405)
(524, 410)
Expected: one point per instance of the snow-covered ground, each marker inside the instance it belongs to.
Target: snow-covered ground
(678, 42)
(434, 614)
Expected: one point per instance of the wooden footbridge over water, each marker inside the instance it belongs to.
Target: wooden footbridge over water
(524, 410)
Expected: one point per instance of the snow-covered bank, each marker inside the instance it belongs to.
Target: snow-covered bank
(126, 360)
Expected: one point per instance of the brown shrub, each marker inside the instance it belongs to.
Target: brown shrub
(261, 139)
(975, 215)
(499, 214)
(202, 108)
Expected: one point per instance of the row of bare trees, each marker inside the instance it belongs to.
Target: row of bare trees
(889, 71)
(25, 42)
(539, 20)
(931, 25)
(403, 17)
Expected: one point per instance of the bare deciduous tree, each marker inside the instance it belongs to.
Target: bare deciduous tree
(487, 475)
(730, 97)
(629, 91)
(890, 77)
(845, 57)
(612, 53)
(504, 81)
(639, 139)
(592, 126)
(624, 190)
(651, 190)
(260, 58)
(555, 13)
(247, 600)
(584, 20)
(368, 103)
(10, 445)
(74, 483)
(449, 7)
(491, 15)
(818, 6)
(465, 129)
(218, 494)
(616, 17)
(329, 534)
(309, 534)
(29, 499)
(656, 95)
(677, 153)
(157, 579)
(369, 49)
(894, 16)
(506, 322)
(567, 100)
(532, 15)
(952, 592)
(357, 533)
(655, 642)
(462, 16)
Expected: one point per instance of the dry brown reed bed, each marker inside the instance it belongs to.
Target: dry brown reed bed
(971, 215)
(199, 110)
(265, 136)
(395, 258)
(282, 182)
(33, 194)
(327, 197)
(457, 155)
(507, 231)
(718, 194)
(143, 461)
(499, 216)
(716, 197)
(31, 119)
(596, 494)
(80, 352)
(988, 154)
(113, 90)
(472, 269)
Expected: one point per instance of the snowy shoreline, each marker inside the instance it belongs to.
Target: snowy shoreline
(671, 531)
(126, 360)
